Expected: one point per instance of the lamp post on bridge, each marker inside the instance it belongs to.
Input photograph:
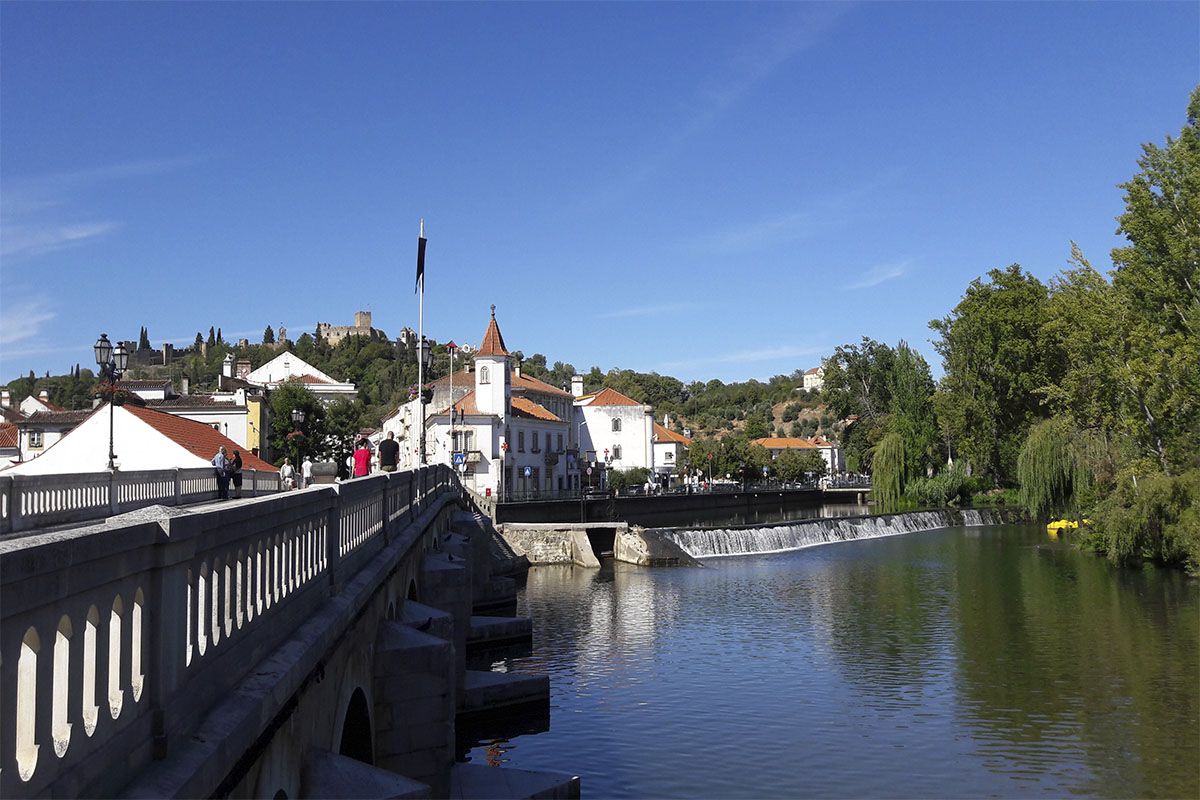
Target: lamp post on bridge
(112, 361)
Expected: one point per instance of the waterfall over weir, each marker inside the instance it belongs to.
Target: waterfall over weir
(783, 536)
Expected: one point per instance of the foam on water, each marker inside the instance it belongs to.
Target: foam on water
(784, 536)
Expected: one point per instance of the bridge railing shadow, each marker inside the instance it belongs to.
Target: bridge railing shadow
(115, 641)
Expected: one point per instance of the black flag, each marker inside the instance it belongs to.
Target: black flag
(420, 261)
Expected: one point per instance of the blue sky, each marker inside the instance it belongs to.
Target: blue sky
(704, 190)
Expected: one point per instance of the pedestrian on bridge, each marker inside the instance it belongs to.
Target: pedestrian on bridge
(221, 468)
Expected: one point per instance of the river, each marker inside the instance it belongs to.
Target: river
(961, 662)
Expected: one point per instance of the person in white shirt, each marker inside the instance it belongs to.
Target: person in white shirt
(287, 474)
(306, 473)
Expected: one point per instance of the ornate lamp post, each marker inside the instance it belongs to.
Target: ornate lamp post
(424, 361)
(297, 421)
(112, 361)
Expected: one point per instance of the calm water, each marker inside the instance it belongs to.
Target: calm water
(962, 662)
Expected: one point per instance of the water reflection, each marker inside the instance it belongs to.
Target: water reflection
(951, 663)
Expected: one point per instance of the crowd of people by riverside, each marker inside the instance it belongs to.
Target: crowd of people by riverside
(359, 464)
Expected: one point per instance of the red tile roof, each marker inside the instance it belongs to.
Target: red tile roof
(524, 407)
(196, 437)
(812, 371)
(611, 397)
(8, 435)
(493, 342)
(466, 405)
(534, 385)
(664, 434)
(307, 378)
(789, 443)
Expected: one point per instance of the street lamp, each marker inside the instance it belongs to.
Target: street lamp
(424, 361)
(297, 421)
(112, 361)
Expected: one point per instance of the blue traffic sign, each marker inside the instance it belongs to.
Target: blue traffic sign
(528, 471)
(459, 458)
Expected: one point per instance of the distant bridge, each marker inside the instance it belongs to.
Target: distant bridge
(304, 644)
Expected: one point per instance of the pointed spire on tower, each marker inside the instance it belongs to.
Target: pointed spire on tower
(493, 341)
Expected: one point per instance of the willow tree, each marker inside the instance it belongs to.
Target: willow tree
(887, 471)
(1054, 467)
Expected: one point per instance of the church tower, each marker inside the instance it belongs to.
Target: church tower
(492, 386)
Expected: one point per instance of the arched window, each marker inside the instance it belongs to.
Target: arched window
(616, 426)
(616, 454)
(484, 376)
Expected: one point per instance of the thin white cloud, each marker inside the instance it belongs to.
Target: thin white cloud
(646, 311)
(878, 274)
(747, 356)
(754, 63)
(30, 240)
(23, 320)
(770, 230)
(35, 218)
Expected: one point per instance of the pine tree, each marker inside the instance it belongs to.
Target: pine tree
(199, 340)
(269, 335)
(212, 336)
(219, 339)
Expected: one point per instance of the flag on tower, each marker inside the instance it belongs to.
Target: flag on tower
(420, 258)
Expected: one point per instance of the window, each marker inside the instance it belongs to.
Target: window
(35, 438)
(548, 442)
(616, 452)
(616, 425)
(670, 456)
(560, 447)
(464, 440)
(483, 375)
(533, 443)
(520, 441)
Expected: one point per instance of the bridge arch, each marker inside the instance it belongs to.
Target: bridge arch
(356, 740)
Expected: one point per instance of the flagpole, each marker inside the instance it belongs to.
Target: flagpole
(421, 342)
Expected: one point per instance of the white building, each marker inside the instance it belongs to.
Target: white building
(670, 449)
(814, 378)
(510, 430)
(830, 451)
(289, 366)
(616, 430)
(143, 438)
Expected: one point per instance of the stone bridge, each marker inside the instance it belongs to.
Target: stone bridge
(304, 644)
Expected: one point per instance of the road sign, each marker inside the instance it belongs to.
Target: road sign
(589, 471)
(528, 471)
(460, 459)
(765, 470)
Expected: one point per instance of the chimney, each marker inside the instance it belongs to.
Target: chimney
(577, 386)
(227, 366)
(44, 396)
(517, 369)
(185, 385)
(667, 421)
(5, 399)
(243, 368)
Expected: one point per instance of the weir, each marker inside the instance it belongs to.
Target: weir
(784, 536)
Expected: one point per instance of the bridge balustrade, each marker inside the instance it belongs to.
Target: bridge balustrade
(114, 642)
(37, 501)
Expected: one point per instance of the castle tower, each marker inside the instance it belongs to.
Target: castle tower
(491, 372)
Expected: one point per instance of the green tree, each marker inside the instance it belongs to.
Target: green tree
(342, 427)
(911, 409)
(288, 397)
(1158, 276)
(793, 464)
(995, 357)
(143, 339)
(212, 336)
(887, 471)
(199, 340)
(269, 335)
